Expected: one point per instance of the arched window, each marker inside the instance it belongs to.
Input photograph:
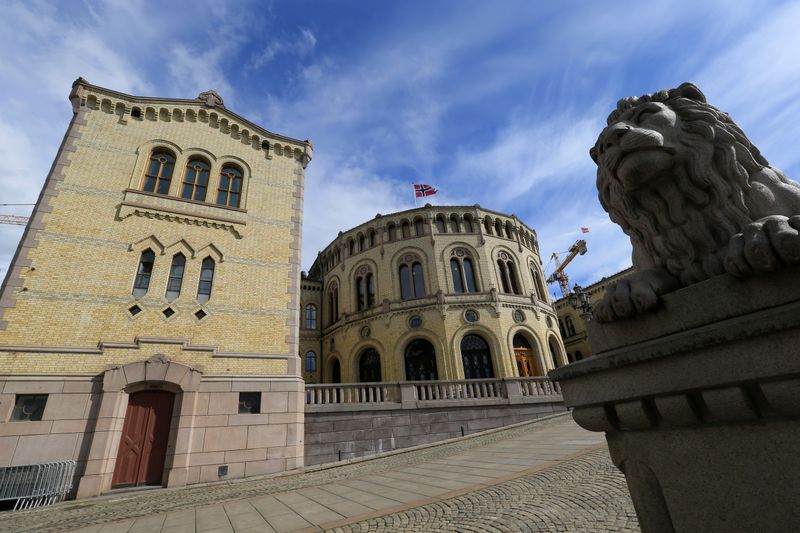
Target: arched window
(419, 227)
(311, 316)
(462, 271)
(206, 280)
(455, 227)
(578, 355)
(159, 172)
(498, 227)
(538, 286)
(508, 273)
(230, 186)
(333, 303)
(365, 289)
(420, 359)
(195, 180)
(509, 230)
(311, 362)
(406, 229)
(476, 357)
(373, 238)
(352, 245)
(561, 328)
(175, 276)
(468, 224)
(392, 229)
(369, 366)
(362, 243)
(487, 225)
(412, 281)
(336, 371)
(440, 225)
(570, 325)
(553, 351)
(143, 273)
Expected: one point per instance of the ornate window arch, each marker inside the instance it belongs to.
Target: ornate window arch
(369, 366)
(195, 179)
(311, 316)
(462, 269)
(507, 271)
(476, 357)
(229, 190)
(420, 360)
(158, 172)
(412, 279)
(365, 288)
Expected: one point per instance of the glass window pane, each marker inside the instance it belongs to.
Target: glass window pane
(470, 276)
(222, 197)
(203, 179)
(455, 270)
(200, 193)
(236, 185)
(186, 192)
(163, 186)
(405, 282)
(224, 182)
(419, 280)
(234, 201)
(167, 171)
(190, 174)
(149, 184)
(153, 168)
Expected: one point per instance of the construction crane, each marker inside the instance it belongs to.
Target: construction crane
(13, 219)
(579, 248)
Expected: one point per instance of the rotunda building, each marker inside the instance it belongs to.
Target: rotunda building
(432, 293)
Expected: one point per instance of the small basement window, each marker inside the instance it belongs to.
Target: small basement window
(29, 407)
(249, 403)
(134, 310)
(168, 312)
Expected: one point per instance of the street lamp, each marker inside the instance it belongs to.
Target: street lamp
(579, 299)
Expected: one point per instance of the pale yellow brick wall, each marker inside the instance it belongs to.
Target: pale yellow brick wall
(76, 290)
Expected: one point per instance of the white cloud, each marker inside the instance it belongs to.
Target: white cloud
(302, 45)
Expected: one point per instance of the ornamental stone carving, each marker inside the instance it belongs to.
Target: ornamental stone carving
(694, 195)
(211, 98)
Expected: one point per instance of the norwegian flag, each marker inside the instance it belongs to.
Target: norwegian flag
(584, 230)
(423, 189)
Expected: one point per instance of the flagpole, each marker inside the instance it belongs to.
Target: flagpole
(414, 192)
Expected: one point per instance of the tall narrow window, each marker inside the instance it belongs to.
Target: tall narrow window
(370, 290)
(143, 273)
(440, 225)
(365, 289)
(507, 272)
(373, 238)
(454, 225)
(333, 303)
(175, 277)
(159, 172)
(311, 316)
(230, 187)
(412, 279)
(462, 271)
(469, 275)
(206, 280)
(195, 181)
(487, 225)
(392, 229)
(406, 229)
(362, 243)
(456, 271)
(311, 362)
(468, 224)
(419, 227)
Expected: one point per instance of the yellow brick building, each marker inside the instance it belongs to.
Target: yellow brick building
(437, 292)
(156, 291)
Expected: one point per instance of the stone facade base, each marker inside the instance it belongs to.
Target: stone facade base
(333, 436)
(84, 417)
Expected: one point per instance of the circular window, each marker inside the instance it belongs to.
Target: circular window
(415, 322)
(365, 332)
(471, 315)
(549, 322)
(519, 316)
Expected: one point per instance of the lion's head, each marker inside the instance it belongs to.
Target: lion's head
(674, 172)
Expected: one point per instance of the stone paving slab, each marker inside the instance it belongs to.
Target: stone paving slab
(416, 489)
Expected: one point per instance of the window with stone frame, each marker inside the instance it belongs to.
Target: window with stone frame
(158, 173)
(412, 279)
(28, 407)
(462, 271)
(365, 288)
(507, 272)
(311, 316)
(229, 192)
(175, 279)
(206, 280)
(144, 271)
(311, 361)
(195, 180)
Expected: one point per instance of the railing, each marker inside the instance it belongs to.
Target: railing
(413, 394)
(360, 393)
(36, 485)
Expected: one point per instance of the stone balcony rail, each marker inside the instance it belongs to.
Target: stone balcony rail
(428, 394)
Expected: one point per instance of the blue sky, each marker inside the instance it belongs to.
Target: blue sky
(494, 103)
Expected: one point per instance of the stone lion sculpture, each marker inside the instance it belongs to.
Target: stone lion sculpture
(694, 195)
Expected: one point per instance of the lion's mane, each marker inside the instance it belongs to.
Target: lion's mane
(684, 224)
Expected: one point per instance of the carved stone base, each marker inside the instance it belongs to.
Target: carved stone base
(700, 403)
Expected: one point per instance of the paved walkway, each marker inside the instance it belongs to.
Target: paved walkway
(544, 476)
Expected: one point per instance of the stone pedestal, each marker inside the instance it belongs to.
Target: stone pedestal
(700, 403)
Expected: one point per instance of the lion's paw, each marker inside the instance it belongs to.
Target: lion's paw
(764, 245)
(636, 294)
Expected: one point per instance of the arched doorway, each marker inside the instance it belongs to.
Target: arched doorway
(476, 357)
(144, 440)
(554, 351)
(420, 359)
(525, 356)
(336, 371)
(369, 366)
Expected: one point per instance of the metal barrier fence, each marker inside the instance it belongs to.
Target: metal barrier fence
(36, 485)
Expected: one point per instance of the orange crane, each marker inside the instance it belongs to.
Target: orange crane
(579, 248)
(13, 219)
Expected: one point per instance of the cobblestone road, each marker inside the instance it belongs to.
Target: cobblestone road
(519, 479)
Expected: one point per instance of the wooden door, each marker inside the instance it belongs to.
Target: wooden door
(526, 361)
(143, 445)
